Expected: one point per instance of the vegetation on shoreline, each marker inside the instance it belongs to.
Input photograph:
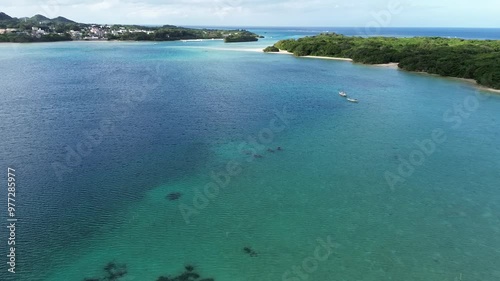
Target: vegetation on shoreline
(24, 38)
(173, 33)
(271, 49)
(470, 59)
(42, 29)
(241, 36)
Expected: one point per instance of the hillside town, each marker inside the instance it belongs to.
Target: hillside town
(92, 32)
(42, 29)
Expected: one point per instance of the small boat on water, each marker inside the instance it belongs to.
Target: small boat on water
(352, 100)
(343, 94)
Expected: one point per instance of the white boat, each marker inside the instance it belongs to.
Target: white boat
(352, 100)
(343, 94)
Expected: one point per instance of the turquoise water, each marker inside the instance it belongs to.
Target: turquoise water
(181, 111)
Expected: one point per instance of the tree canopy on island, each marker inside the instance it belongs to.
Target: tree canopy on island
(241, 36)
(471, 59)
(271, 49)
(172, 33)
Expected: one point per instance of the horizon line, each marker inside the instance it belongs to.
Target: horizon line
(257, 26)
(288, 26)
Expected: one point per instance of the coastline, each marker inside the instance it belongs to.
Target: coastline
(466, 80)
(394, 65)
(480, 87)
(283, 52)
(389, 65)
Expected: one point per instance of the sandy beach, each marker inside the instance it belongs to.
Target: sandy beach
(472, 81)
(327, 58)
(283, 52)
(390, 65)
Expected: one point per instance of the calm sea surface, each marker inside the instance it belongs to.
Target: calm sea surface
(104, 136)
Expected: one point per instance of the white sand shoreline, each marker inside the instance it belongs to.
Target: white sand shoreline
(282, 52)
(389, 65)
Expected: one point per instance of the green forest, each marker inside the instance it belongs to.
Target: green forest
(172, 33)
(452, 57)
(243, 36)
(24, 38)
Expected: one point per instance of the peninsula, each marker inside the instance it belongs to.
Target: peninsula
(469, 59)
(42, 29)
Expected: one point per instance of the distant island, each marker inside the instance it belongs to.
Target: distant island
(470, 59)
(42, 29)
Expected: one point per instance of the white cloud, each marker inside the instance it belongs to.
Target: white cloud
(262, 12)
(100, 6)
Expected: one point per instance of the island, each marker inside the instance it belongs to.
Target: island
(42, 29)
(242, 36)
(271, 49)
(451, 57)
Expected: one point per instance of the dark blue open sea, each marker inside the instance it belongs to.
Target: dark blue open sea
(139, 156)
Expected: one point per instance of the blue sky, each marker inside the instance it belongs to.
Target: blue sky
(362, 13)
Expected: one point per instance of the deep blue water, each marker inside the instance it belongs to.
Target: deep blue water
(173, 112)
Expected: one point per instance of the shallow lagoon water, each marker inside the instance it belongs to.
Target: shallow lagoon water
(188, 118)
